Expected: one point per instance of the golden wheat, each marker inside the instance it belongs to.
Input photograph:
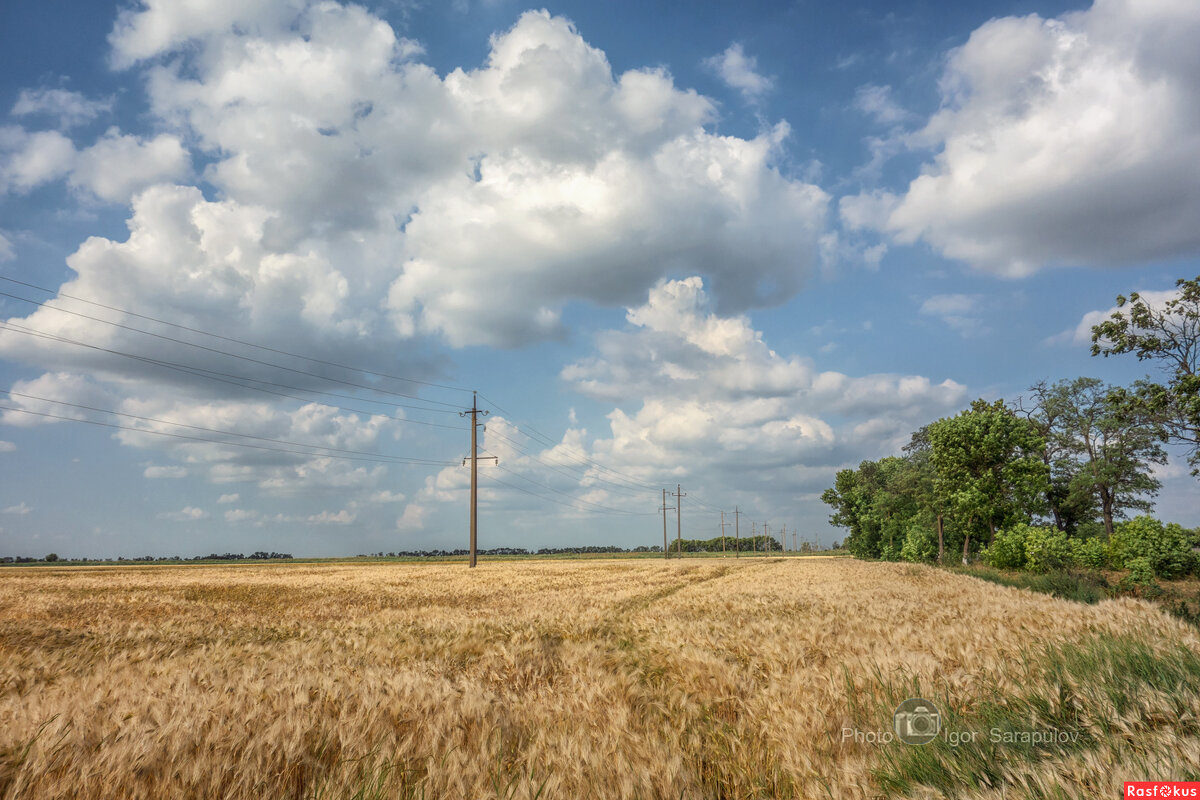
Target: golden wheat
(608, 679)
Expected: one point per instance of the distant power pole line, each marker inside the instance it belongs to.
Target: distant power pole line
(737, 535)
(794, 547)
(722, 534)
(664, 509)
(475, 412)
(766, 538)
(679, 494)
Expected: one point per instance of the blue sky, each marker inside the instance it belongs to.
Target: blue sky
(734, 249)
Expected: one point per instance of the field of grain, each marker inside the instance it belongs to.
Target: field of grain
(730, 678)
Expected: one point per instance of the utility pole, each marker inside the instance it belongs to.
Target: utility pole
(664, 510)
(754, 537)
(737, 535)
(722, 534)
(766, 538)
(679, 493)
(474, 458)
(783, 538)
(794, 547)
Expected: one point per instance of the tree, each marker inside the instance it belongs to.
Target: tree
(988, 468)
(1169, 334)
(1119, 438)
(52, 557)
(1048, 410)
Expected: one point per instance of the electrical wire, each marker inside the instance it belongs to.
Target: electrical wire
(232, 339)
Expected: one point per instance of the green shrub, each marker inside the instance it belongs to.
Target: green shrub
(1141, 572)
(1090, 553)
(1007, 550)
(920, 544)
(1167, 548)
(1046, 549)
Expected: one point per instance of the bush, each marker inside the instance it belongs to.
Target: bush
(1046, 550)
(920, 544)
(52, 557)
(1007, 551)
(1090, 553)
(1166, 548)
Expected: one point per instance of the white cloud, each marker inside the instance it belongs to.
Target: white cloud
(368, 206)
(66, 107)
(343, 517)
(28, 160)
(1064, 141)
(1081, 334)
(38, 396)
(226, 499)
(20, 509)
(240, 515)
(188, 514)
(959, 311)
(878, 103)
(165, 472)
(7, 447)
(386, 496)
(721, 408)
(116, 167)
(7, 251)
(413, 518)
(740, 72)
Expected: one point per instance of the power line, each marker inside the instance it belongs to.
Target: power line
(377, 459)
(234, 380)
(11, 393)
(230, 338)
(230, 355)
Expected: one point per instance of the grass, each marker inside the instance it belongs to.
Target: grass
(1080, 586)
(620, 678)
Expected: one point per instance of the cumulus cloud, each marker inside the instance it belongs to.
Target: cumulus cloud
(67, 108)
(413, 518)
(7, 251)
(118, 166)
(7, 447)
(1073, 140)
(343, 517)
(28, 160)
(369, 210)
(165, 472)
(20, 509)
(240, 515)
(226, 499)
(719, 408)
(740, 72)
(187, 514)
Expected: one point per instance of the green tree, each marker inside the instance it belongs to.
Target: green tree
(1170, 335)
(1117, 438)
(988, 468)
(1049, 409)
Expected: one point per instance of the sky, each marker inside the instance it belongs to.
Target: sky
(256, 255)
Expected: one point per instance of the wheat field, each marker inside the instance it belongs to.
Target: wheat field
(730, 678)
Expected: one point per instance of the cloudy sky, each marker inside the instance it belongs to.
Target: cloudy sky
(257, 253)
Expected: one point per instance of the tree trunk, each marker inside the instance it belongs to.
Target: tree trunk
(941, 539)
(992, 531)
(1106, 509)
(967, 541)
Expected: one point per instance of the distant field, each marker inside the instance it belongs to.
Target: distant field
(722, 678)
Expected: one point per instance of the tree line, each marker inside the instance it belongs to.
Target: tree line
(1047, 479)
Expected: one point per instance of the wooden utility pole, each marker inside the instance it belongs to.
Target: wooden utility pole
(737, 535)
(679, 493)
(474, 458)
(783, 538)
(794, 547)
(664, 509)
(722, 534)
(753, 537)
(766, 538)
